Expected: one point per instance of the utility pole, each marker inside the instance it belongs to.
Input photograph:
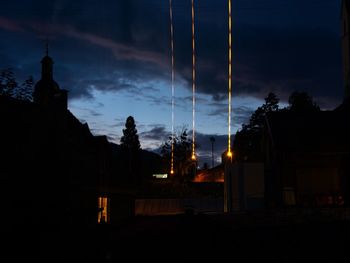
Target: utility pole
(212, 139)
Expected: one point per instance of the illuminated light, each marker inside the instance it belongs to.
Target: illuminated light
(160, 176)
(193, 157)
(193, 85)
(209, 176)
(172, 86)
(229, 154)
(103, 210)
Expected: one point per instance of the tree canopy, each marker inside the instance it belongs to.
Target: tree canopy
(183, 164)
(9, 87)
(130, 138)
(247, 141)
(302, 102)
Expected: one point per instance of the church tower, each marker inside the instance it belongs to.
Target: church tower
(47, 92)
(345, 17)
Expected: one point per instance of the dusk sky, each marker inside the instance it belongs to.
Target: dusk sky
(114, 58)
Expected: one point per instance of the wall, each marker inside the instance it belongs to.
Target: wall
(244, 186)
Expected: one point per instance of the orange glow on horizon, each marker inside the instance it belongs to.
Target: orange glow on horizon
(209, 176)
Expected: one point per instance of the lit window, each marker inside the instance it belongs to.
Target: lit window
(103, 210)
(160, 176)
(289, 196)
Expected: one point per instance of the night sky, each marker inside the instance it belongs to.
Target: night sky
(114, 58)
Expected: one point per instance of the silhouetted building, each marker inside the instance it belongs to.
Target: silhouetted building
(53, 170)
(305, 156)
(306, 163)
(48, 167)
(47, 92)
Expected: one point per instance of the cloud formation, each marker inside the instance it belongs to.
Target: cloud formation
(121, 47)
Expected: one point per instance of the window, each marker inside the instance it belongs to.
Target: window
(289, 196)
(160, 176)
(103, 210)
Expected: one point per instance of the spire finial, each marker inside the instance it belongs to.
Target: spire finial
(47, 46)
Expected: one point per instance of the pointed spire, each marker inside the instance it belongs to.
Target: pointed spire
(47, 46)
(46, 62)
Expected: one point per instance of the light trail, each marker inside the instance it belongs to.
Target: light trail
(229, 153)
(193, 157)
(172, 86)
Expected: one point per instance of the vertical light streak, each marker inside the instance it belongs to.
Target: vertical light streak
(172, 86)
(193, 86)
(229, 153)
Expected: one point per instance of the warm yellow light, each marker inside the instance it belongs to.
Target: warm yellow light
(229, 154)
(193, 85)
(172, 86)
(172, 156)
(103, 210)
(193, 157)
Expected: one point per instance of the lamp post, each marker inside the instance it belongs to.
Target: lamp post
(212, 139)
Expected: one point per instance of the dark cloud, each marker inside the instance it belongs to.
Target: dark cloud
(278, 46)
(157, 133)
(241, 114)
(113, 138)
(94, 113)
(100, 105)
(118, 122)
(123, 46)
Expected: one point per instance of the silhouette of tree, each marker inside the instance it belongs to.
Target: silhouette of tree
(183, 164)
(7, 82)
(130, 143)
(25, 90)
(130, 138)
(257, 119)
(271, 103)
(247, 141)
(9, 87)
(302, 102)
